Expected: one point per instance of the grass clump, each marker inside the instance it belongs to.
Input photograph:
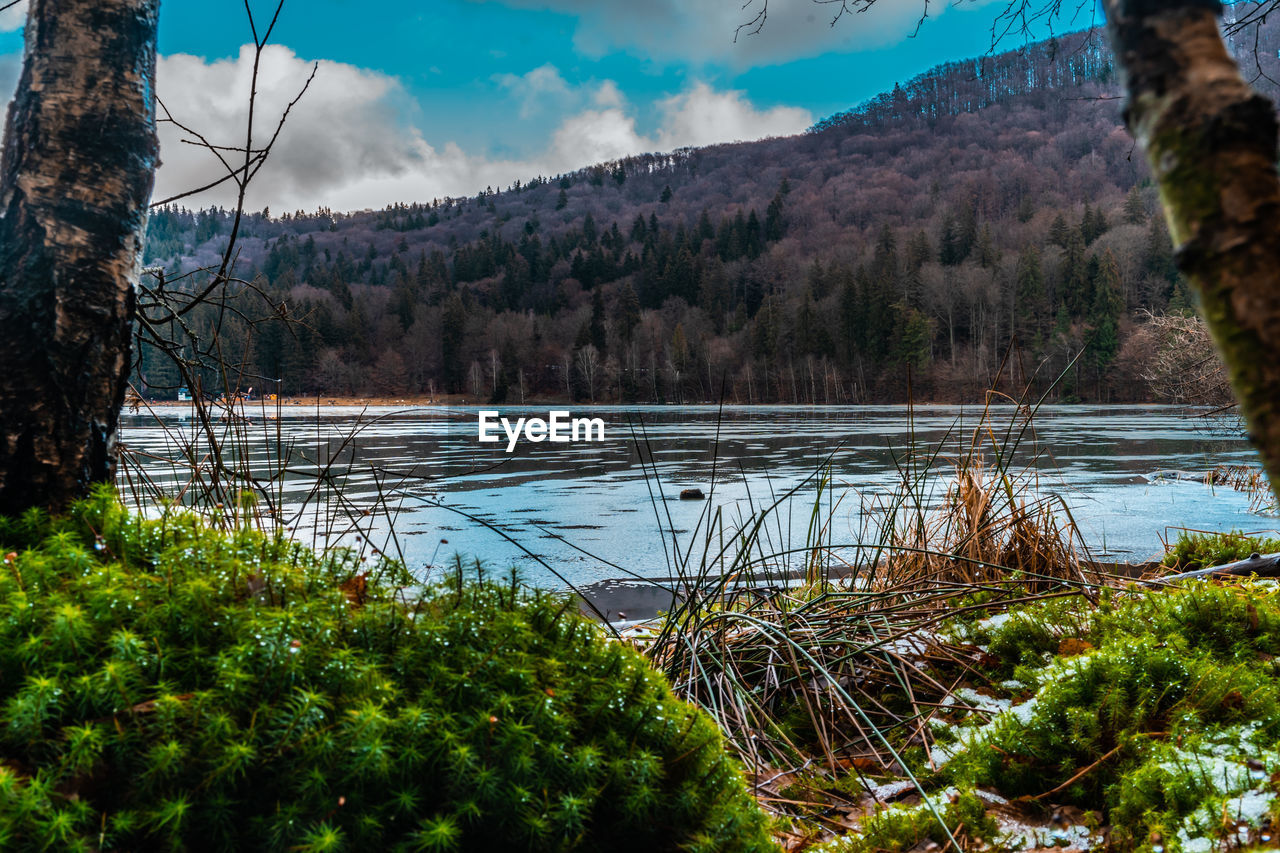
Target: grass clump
(165, 686)
(1192, 551)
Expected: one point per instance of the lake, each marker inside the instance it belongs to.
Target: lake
(588, 512)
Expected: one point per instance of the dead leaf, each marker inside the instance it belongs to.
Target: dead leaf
(356, 588)
(1071, 646)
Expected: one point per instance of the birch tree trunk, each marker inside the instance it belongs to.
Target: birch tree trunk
(1211, 143)
(79, 160)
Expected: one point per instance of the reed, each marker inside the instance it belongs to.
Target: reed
(825, 660)
(235, 464)
(1248, 479)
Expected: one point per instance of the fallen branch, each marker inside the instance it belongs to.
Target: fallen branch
(1263, 566)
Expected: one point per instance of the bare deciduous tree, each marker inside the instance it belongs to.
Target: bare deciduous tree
(589, 369)
(1182, 363)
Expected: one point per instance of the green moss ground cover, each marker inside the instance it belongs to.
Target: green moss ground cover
(1197, 550)
(163, 686)
(1154, 714)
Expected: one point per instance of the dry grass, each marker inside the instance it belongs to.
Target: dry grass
(840, 668)
(987, 528)
(1248, 479)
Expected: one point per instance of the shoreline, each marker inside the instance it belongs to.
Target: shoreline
(628, 599)
(458, 400)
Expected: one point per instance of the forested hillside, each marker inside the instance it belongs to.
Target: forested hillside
(988, 207)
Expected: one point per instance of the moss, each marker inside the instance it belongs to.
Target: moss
(1196, 550)
(1165, 718)
(166, 686)
(1026, 639)
(1189, 189)
(903, 827)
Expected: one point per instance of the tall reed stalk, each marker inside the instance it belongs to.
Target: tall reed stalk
(823, 656)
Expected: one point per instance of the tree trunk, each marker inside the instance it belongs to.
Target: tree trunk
(79, 160)
(1211, 143)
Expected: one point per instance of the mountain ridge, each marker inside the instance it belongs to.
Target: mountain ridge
(994, 206)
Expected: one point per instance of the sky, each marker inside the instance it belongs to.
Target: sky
(420, 99)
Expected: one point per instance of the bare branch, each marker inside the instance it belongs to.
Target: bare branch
(756, 24)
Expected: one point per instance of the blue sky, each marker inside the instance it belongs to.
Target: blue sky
(442, 97)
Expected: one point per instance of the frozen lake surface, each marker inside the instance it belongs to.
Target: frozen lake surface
(595, 511)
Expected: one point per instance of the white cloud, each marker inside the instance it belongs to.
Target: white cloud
(349, 143)
(703, 116)
(346, 145)
(608, 95)
(593, 136)
(536, 88)
(704, 30)
(699, 116)
(343, 128)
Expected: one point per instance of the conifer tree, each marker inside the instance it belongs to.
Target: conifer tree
(1029, 296)
(1059, 231)
(851, 320)
(752, 237)
(706, 231)
(1104, 315)
(453, 331)
(1159, 251)
(714, 295)
(968, 230)
(913, 337)
(598, 335)
(1135, 211)
(773, 220)
(628, 312)
(949, 253)
(1075, 291)
(919, 250)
